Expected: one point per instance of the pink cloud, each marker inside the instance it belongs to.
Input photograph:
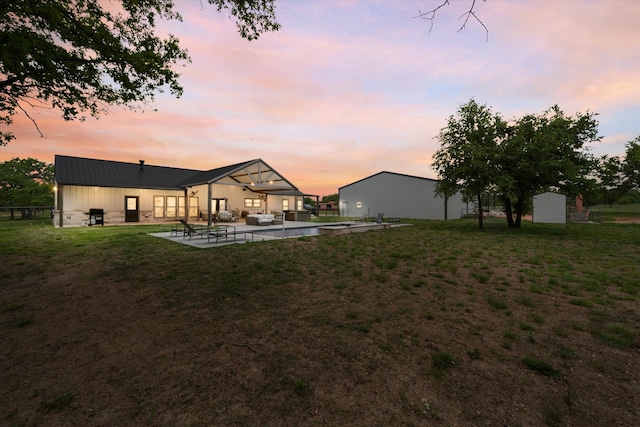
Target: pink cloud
(348, 89)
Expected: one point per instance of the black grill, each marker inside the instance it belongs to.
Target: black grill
(96, 217)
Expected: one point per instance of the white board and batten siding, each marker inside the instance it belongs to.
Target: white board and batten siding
(397, 195)
(550, 208)
(83, 198)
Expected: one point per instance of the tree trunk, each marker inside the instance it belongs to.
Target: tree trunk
(519, 207)
(480, 225)
(509, 212)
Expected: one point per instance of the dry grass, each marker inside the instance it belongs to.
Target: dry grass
(433, 324)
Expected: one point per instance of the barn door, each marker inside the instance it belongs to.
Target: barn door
(131, 209)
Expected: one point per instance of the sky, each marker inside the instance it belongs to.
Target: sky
(347, 88)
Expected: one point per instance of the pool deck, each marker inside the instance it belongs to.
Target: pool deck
(250, 233)
(243, 234)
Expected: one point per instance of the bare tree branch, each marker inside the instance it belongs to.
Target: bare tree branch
(32, 120)
(431, 15)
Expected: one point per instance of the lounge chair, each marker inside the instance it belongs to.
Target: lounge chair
(190, 230)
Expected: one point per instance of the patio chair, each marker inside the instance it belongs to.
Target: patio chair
(176, 229)
(190, 230)
(362, 218)
(224, 216)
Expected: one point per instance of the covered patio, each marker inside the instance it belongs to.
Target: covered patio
(256, 178)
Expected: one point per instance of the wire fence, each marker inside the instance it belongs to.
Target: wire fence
(26, 212)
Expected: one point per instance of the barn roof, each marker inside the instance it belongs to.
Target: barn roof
(388, 173)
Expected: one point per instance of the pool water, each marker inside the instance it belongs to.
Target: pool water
(289, 232)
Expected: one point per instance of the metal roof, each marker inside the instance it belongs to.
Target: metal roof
(389, 173)
(255, 174)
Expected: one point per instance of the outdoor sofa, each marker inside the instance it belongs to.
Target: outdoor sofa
(260, 219)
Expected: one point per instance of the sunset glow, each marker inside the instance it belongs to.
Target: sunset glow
(347, 89)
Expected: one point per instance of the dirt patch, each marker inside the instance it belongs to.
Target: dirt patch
(396, 336)
(628, 221)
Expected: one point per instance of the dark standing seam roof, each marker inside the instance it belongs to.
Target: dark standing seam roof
(106, 173)
(204, 177)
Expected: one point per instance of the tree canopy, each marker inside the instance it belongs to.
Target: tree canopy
(26, 182)
(466, 159)
(611, 179)
(618, 177)
(631, 165)
(545, 151)
(331, 198)
(481, 152)
(80, 56)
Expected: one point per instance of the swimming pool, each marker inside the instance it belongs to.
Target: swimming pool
(329, 229)
(288, 232)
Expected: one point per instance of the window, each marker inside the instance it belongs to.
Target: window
(158, 206)
(171, 207)
(358, 205)
(300, 204)
(181, 205)
(194, 207)
(251, 203)
(285, 204)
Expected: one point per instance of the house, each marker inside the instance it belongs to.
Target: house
(138, 192)
(398, 195)
(328, 206)
(550, 208)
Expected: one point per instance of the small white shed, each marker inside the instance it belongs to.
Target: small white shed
(550, 208)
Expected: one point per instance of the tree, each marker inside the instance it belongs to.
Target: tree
(26, 182)
(631, 164)
(545, 151)
(537, 152)
(611, 185)
(80, 56)
(331, 198)
(466, 158)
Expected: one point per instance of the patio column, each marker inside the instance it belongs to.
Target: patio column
(60, 206)
(186, 204)
(209, 194)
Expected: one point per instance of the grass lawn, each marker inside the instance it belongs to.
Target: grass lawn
(629, 212)
(431, 324)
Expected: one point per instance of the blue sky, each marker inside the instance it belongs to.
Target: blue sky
(347, 89)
